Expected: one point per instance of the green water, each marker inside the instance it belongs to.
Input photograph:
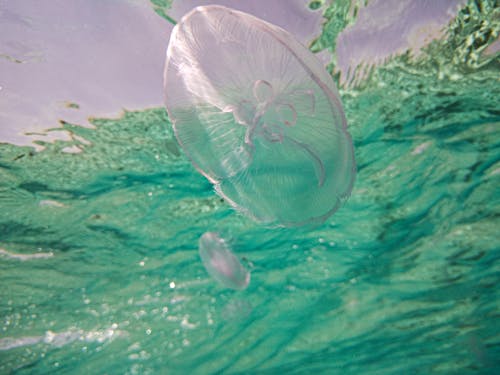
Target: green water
(402, 279)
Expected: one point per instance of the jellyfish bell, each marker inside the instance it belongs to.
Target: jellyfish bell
(221, 263)
(259, 116)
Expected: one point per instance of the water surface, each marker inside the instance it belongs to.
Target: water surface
(99, 263)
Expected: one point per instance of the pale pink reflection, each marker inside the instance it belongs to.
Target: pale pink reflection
(292, 15)
(69, 60)
(385, 28)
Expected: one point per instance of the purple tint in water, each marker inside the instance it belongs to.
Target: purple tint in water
(259, 116)
(71, 60)
(386, 28)
(295, 16)
(221, 263)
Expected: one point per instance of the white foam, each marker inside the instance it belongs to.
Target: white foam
(60, 339)
(25, 257)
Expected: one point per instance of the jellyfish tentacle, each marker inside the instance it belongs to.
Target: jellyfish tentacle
(273, 133)
(249, 134)
(263, 91)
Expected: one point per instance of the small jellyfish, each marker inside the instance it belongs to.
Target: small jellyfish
(221, 263)
(259, 116)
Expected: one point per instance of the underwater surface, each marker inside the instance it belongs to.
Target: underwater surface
(99, 264)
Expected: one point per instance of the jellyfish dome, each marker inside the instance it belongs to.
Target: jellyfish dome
(259, 116)
(221, 263)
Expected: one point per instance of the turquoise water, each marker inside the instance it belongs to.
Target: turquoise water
(100, 270)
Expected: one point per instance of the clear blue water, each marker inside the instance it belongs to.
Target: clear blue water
(100, 270)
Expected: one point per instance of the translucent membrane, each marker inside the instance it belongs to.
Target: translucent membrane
(221, 263)
(259, 116)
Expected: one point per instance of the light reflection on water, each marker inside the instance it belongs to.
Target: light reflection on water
(43, 84)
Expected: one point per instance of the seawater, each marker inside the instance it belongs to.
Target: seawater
(99, 266)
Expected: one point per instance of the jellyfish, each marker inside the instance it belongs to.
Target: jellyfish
(221, 263)
(259, 116)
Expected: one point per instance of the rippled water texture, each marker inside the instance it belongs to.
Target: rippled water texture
(99, 261)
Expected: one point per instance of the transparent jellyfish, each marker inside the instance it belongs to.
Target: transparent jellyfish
(259, 116)
(221, 263)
